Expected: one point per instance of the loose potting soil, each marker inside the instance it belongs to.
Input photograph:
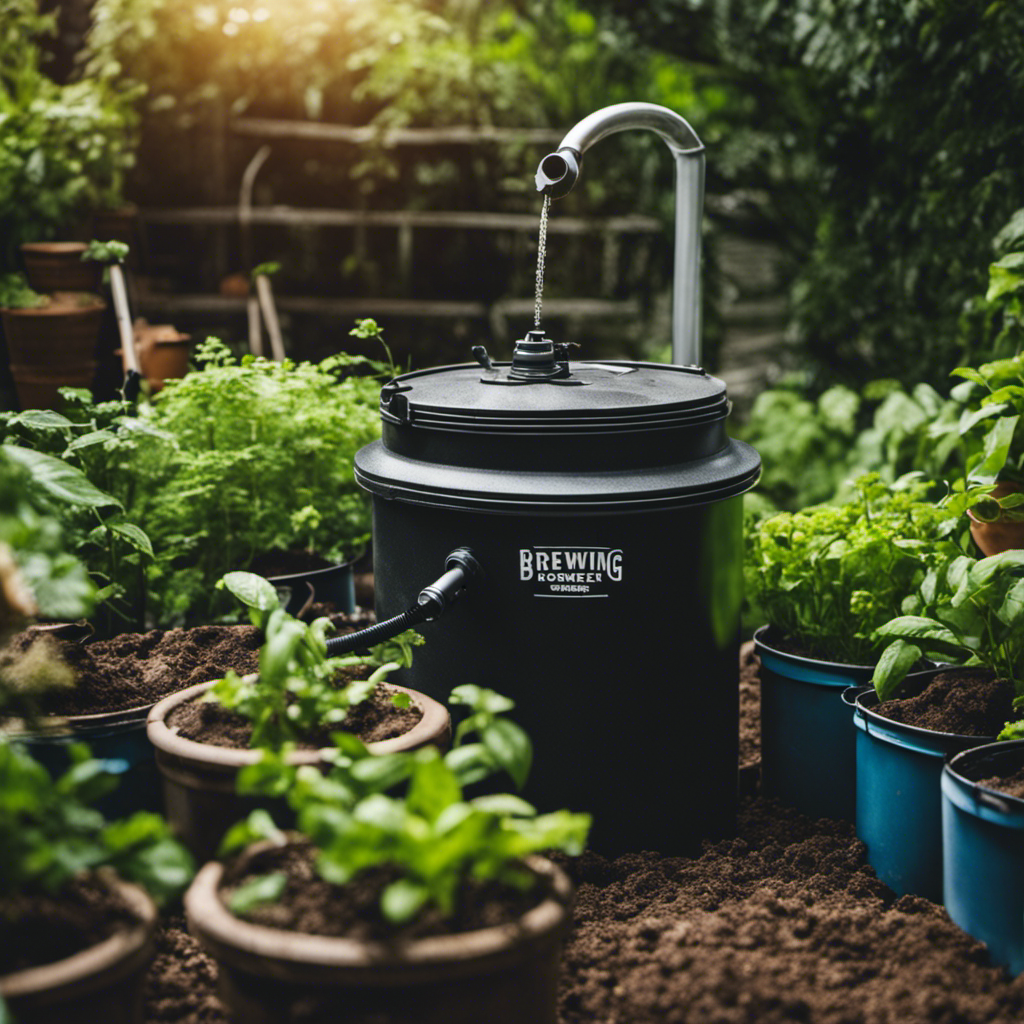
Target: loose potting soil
(85, 913)
(956, 702)
(135, 669)
(311, 905)
(372, 720)
(1010, 784)
(786, 922)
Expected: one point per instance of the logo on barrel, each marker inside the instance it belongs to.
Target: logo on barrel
(570, 572)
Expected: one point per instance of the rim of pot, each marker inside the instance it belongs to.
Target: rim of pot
(982, 750)
(56, 726)
(435, 719)
(803, 659)
(117, 955)
(53, 247)
(238, 940)
(59, 310)
(923, 676)
(325, 570)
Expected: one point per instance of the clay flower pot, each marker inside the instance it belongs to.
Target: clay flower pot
(499, 975)
(163, 352)
(199, 778)
(53, 346)
(1002, 535)
(59, 267)
(102, 983)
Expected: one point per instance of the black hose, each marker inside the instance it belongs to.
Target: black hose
(365, 638)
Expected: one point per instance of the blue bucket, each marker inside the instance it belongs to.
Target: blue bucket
(899, 805)
(983, 846)
(117, 737)
(807, 744)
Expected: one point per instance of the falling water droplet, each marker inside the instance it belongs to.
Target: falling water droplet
(542, 248)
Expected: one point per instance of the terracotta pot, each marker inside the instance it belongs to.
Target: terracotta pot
(498, 975)
(163, 353)
(1002, 535)
(52, 347)
(102, 983)
(59, 267)
(199, 778)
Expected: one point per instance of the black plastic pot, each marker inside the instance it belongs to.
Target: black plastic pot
(983, 850)
(899, 803)
(334, 583)
(604, 507)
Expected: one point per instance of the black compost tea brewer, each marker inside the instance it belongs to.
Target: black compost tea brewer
(593, 513)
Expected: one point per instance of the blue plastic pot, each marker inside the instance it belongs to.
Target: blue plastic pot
(899, 805)
(983, 846)
(117, 737)
(335, 584)
(807, 744)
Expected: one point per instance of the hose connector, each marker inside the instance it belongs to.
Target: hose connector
(557, 173)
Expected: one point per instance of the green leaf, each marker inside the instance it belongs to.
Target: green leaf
(479, 698)
(43, 419)
(257, 827)
(996, 450)
(134, 535)
(1005, 276)
(504, 804)
(510, 747)
(257, 891)
(60, 480)
(252, 590)
(892, 668)
(402, 900)
(433, 787)
(935, 635)
(986, 568)
(94, 437)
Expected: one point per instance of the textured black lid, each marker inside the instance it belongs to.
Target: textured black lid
(616, 434)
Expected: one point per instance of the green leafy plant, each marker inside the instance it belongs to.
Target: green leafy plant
(828, 577)
(255, 445)
(106, 252)
(15, 293)
(265, 270)
(435, 837)
(296, 688)
(49, 833)
(968, 610)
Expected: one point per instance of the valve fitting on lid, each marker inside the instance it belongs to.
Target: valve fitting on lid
(538, 358)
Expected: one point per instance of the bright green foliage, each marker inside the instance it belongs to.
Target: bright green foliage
(294, 690)
(830, 576)
(64, 150)
(16, 294)
(49, 833)
(106, 252)
(82, 467)
(433, 835)
(268, 269)
(967, 610)
(262, 460)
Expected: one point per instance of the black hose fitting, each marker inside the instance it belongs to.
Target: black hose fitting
(431, 603)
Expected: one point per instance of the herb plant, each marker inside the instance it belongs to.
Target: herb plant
(262, 461)
(49, 833)
(15, 293)
(433, 835)
(106, 252)
(968, 610)
(828, 577)
(295, 689)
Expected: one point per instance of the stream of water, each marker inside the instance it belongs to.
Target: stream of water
(542, 249)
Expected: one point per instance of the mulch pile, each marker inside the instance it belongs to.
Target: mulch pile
(785, 922)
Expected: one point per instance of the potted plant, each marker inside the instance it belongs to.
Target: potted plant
(826, 578)
(51, 340)
(970, 612)
(404, 893)
(260, 477)
(77, 934)
(205, 735)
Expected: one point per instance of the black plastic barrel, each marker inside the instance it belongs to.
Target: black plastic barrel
(605, 510)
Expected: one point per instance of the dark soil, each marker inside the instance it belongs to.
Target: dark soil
(311, 905)
(779, 641)
(287, 563)
(1010, 784)
(41, 928)
(750, 708)
(957, 702)
(372, 720)
(784, 923)
(136, 669)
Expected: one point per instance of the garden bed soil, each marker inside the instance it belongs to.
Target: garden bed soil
(136, 669)
(784, 923)
(372, 720)
(956, 702)
(311, 905)
(42, 928)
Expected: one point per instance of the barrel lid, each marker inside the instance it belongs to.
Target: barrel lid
(593, 396)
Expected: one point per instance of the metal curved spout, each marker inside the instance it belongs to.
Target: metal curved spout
(558, 172)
